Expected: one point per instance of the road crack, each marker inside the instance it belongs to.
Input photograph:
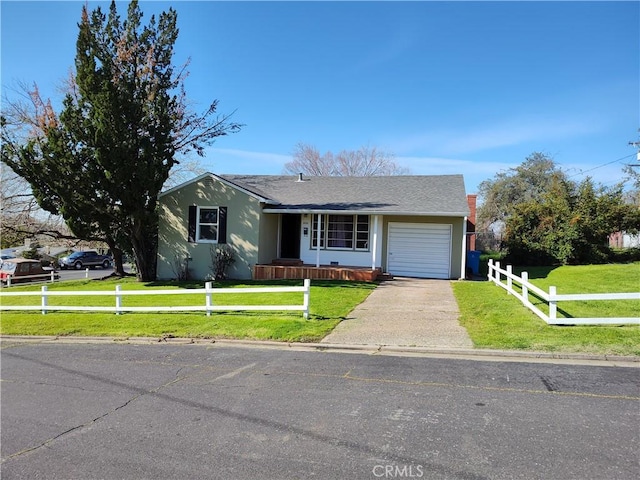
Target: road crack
(177, 378)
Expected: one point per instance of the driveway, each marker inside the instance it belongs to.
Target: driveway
(408, 312)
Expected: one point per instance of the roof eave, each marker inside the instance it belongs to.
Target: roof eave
(365, 212)
(223, 180)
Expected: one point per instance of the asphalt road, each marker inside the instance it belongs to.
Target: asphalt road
(93, 273)
(85, 411)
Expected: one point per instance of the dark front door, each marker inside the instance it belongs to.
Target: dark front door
(290, 236)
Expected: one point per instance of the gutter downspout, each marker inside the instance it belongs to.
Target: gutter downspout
(463, 262)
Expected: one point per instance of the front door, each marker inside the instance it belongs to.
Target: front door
(290, 236)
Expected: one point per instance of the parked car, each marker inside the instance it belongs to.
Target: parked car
(24, 270)
(89, 258)
(5, 257)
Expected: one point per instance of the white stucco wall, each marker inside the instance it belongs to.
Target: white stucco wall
(343, 257)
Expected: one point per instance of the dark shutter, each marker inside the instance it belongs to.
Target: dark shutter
(222, 225)
(193, 212)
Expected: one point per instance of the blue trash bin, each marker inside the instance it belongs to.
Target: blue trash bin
(473, 261)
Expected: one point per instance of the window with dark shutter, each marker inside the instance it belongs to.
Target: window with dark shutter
(207, 224)
(222, 225)
(193, 213)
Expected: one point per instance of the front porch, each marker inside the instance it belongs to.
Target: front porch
(296, 269)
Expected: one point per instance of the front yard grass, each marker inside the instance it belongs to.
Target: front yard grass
(497, 320)
(330, 302)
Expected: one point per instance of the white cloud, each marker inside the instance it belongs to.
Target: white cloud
(448, 166)
(474, 172)
(246, 154)
(486, 137)
(396, 45)
(224, 160)
(232, 161)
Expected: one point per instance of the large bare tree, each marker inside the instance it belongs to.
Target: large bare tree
(365, 162)
(20, 216)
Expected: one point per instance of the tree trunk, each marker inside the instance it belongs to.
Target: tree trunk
(118, 266)
(145, 265)
(116, 253)
(144, 240)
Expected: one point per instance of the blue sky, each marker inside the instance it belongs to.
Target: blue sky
(448, 87)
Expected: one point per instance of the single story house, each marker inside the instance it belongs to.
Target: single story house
(412, 225)
(624, 240)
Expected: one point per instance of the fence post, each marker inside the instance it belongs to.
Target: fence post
(53, 277)
(497, 274)
(307, 291)
(525, 288)
(44, 299)
(8, 280)
(509, 280)
(489, 276)
(208, 298)
(86, 273)
(118, 298)
(553, 305)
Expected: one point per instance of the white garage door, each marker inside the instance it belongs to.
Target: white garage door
(419, 250)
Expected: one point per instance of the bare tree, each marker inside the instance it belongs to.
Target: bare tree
(21, 217)
(365, 162)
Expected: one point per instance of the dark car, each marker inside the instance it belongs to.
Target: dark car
(24, 270)
(79, 260)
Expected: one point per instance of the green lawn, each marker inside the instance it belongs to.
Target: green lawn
(492, 318)
(495, 319)
(330, 303)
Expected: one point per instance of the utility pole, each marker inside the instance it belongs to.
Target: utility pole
(636, 144)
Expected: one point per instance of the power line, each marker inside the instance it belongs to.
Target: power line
(636, 145)
(582, 172)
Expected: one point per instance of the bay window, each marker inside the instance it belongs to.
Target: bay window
(341, 232)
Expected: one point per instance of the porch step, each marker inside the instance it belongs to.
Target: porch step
(384, 276)
(287, 262)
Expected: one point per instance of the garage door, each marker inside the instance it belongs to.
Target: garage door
(419, 250)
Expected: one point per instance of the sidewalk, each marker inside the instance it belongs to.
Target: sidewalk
(405, 312)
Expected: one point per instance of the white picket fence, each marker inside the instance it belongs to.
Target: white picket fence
(208, 291)
(552, 298)
(51, 277)
(41, 278)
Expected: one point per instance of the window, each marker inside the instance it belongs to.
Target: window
(314, 231)
(208, 224)
(341, 232)
(362, 232)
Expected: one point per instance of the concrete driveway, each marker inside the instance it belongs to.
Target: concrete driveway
(408, 312)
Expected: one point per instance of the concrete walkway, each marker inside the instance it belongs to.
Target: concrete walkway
(407, 312)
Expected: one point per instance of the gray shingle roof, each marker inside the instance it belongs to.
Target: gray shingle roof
(441, 195)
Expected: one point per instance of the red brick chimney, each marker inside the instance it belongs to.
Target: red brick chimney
(471, 222)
